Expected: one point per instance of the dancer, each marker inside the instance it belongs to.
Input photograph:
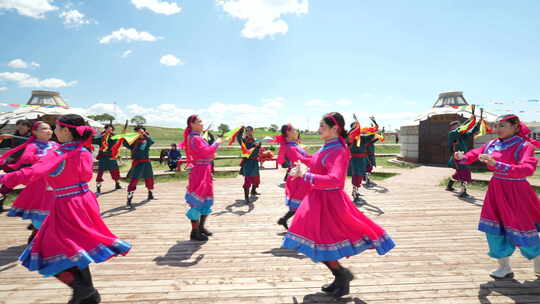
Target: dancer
(327, 226)
(73, 235)
(22, 132)
(372, 159)
(200, 190)
(141, 167)
(359, 163)
(295, 188)
(510, 214)
(36, 199)
(108, 152)
(249, 167)
(457, 141)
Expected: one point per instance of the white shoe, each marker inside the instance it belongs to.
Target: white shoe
(537, 266)
(504, 271)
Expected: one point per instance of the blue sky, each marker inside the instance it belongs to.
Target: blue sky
(271, 61)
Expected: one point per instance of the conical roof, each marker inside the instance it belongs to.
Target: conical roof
(449, 99)
(46, 98)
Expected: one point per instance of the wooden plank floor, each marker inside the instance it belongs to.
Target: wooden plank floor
(440, 256)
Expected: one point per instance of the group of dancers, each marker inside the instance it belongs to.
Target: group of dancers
(326, 225)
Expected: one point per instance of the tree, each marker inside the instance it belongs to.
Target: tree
(273, 128)
(138, 120)
(104, 117)
(223, 128)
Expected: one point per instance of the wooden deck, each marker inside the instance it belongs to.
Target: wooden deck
(440, 256)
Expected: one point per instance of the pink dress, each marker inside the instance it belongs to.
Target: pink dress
(511, 207)
(328, 226)
(295, 188)
(73, 235)
(35, 200)
(200, 190)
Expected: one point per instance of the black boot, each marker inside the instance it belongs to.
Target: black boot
(202, 228)
(254, 191)
(150, 195)
(31, 236)
(463, 193)
(2, 199)
(283, 220)
(342, 283)
(117, 186)
(196, 234)
(83, 288)
(98, 188)
(246, 195)
(330, 287)
(129, 199)
(450, 185)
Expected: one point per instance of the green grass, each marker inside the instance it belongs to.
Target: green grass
(381, 175)
(385, 163)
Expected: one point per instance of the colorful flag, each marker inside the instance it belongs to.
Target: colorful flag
(232, 134)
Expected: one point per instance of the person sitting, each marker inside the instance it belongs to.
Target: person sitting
(173, 157)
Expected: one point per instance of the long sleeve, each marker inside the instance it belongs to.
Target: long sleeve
(452, 137)
(40, 169)
(86, 163)
(239, 136)
(336, 163)
(525, 166)
(6, 143)
(96, 140)
(203, 148)
(28, 157)
(472, 156)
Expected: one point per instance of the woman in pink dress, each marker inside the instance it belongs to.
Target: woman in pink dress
(511, 212)
(35, 200)
(73, 235)
(328, 226)
(200, 190)
(295, 188)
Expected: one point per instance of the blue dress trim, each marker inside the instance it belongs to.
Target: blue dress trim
(25, 214)
(56, 264)
(517, 237)
(196, 201)
(293, 204)
(331, 252)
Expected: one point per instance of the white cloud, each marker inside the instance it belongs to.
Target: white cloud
(157, 6)
(126, 53)
(275, 103)
(27, 81)
(170, 60)
(263, 17)
(29, 8)
(74, 18)
(18, 64)
(128, 35)
(2, 89)
(21, 64)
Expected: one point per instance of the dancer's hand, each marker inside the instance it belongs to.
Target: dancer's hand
(219, 141)
(298, 170)
(459, 155)
(487, 159)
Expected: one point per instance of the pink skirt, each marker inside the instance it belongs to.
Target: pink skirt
(73, 235)
(328, 226)
(511, 208)
(200, 189)
(295, 191)
(33, 203)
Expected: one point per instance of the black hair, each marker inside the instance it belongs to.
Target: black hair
(173, 144)
(139, 127)
(284, 130)
(24, 122)
(249, 128)
(340, 121)
(109, 126)
(514, 120)
(75, 120)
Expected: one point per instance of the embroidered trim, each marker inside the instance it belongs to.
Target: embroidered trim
(509, 179)
(518, 237)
